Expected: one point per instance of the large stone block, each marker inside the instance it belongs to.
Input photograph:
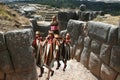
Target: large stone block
(95, 47)
(73, 50)
(19, 42)
(62, 25)
(115, 58)
(80, 42)
(113, 35)
(118, 36)
(2, 41)
(85, 16)
(27, 75)
(118, 77)
(94, 64)
(98, 31)
(5, 62)
(1, 75)
(65, 16)
(63, 33)
(105, 53)
(85, 56)
(62, 16)
(107, 73)
(87, 42)
(6, 65)
(78, 54)
(75, 28)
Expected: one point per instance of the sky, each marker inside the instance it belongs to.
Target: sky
(80, 0)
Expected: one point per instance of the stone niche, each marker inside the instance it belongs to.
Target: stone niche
(16, 60)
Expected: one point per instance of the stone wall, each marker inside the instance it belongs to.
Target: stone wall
(99, 51)
(65, 16)
(43, 27)
(16, 60)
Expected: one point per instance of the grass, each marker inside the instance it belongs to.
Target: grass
(115, 20)
(9, 19)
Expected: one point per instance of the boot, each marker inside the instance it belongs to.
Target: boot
(58, 66)
(41, 71)
(64, 67)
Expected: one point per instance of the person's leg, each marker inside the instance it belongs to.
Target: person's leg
(65, 65)
(41, 71)
(58, 65)
(52, 72)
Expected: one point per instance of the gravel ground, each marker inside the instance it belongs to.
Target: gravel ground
(74, 71)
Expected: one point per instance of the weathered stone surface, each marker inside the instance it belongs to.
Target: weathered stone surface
(72, 15)
(29, 75)
(118, 77)
(95, 47)
(75, 27)
(87, 42)
(85, 56)
(80, 42)
(73, 50)
(62, 16)
(113, 35)
(5, 62)
(65, 16)
(118, 36)
(1, 75)
(115, 58)
(107, 73)
(94, 64)
(43, 27)
(82, 7)
(85, 16)
(2, 41)
(78, 54)
(105, 53)
(62, 25)
(63, 33)
(19, 42)
(98, 31)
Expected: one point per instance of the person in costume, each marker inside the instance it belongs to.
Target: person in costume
(54, 25)
(38, 51)
(49, 53)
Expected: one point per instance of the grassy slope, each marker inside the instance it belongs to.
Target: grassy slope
(9, 19)
(115, 20)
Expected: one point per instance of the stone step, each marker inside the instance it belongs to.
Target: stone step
(48, 16)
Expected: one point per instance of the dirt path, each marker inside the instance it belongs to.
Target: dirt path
(74, 71)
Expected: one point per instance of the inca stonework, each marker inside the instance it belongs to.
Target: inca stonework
(16, 60)
(101, 49)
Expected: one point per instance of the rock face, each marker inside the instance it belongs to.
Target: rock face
(20, 52)
(115, 58)
(94, 64)
(100, 32)
(29, 75)
(16, 60)
(95, 47)
(99, 50)
(2, 41)
(118, 77)
(1, 75)
(107, 73)
(64, 17)
(105, 33)
(75, 27)
(5, 61)
(85, 56)
(105, 53)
